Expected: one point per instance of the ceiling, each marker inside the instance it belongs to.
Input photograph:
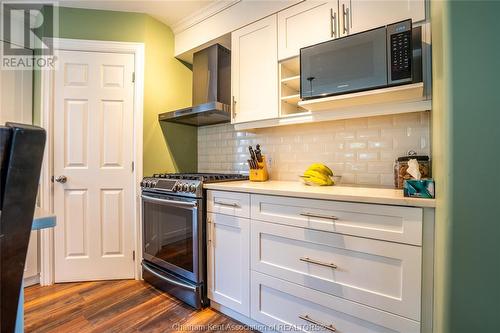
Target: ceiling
(170, 12)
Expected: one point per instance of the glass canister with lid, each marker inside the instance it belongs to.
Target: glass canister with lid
(401, 166)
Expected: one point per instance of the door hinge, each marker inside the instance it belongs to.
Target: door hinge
(133, 166)
(133, 77)
(133, 255)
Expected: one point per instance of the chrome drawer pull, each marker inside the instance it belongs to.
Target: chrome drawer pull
(316, 262)
(320, 324)
(230, 204)
(329, 217)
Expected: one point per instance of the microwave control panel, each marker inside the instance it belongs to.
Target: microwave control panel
(400, 51)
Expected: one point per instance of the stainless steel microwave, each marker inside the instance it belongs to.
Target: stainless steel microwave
(377, 58)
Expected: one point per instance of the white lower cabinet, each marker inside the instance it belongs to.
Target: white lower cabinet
(228, 261)
(293, 267)
(380, 274)
(286, 307)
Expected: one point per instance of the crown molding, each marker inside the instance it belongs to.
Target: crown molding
(202, 14)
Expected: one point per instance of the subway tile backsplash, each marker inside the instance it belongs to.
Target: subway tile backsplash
(361, 150)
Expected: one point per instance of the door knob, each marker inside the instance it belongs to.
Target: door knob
(61, 179)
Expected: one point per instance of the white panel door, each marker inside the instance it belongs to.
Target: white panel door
(361, 15)
(307, 23)
(254, 71)
(93, 144)
(229, 261)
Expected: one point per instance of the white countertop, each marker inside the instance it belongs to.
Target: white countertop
(385, 196)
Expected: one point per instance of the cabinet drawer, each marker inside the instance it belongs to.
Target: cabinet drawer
(229, 203)
(279, 304)
(391, 223)
(380, 274)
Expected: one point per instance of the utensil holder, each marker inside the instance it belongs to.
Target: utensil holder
(260, 174)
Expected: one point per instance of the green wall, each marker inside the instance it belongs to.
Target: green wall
(466, 119)
(167, 82)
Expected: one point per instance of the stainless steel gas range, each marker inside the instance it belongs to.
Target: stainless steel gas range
(174, 229)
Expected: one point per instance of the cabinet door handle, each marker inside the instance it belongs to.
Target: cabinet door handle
(317, 262)
(234, 108)
(209, 230)
(328, 217)
(333, 23)
(345, 15)
(320, 324)
(229, 204)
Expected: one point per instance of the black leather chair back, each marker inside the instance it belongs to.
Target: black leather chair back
(21, 155)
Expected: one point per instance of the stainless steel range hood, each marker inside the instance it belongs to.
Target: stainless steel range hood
(211, 90)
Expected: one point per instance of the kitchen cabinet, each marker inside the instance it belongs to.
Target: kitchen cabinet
(307, 23)
(279, 303)
(346, 265)
(336, 264)
(235, 204)
(228, 239)
(254, 72)
(312, 22)
(383, 222)
(361, 15)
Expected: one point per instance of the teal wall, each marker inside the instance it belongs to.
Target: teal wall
(167, 82)
(469, 100)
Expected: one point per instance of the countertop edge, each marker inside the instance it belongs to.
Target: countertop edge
(383, 200)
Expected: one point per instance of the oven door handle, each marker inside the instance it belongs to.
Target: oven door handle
(164, 278)
(170, 202)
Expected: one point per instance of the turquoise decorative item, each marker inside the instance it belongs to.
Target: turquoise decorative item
(423, 188)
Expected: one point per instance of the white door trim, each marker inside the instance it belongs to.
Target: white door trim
(47, 103)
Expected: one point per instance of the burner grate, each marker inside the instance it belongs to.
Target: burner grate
(204, 177)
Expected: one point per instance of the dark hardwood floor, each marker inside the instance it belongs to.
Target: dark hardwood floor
(116, 306)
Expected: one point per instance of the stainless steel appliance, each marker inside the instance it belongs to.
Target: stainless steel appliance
(174, 229)
(211, 90)
(381, 57)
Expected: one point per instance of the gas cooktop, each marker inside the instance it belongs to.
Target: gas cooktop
(185, 184)
(204, 177)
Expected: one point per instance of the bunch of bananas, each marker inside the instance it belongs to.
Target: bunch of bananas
(318, 174)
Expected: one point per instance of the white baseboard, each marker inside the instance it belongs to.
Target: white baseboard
(31, 280)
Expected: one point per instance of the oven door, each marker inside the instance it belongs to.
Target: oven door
(172, 234)
(353, 63)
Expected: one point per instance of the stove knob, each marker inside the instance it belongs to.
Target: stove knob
(185, 187)
(192, 188)
(142, 183)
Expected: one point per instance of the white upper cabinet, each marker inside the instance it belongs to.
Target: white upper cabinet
(254, 73)
(307, 23)
(361, 15)
(312, 22)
